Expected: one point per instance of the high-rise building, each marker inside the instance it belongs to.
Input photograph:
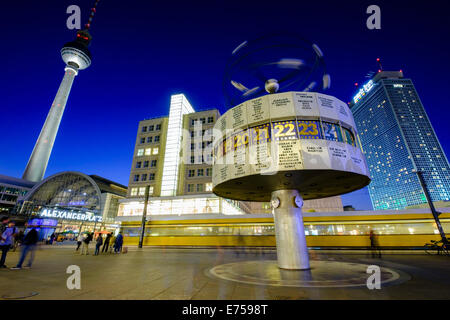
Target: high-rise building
(397, 138)
(173, 157)
(76, 56)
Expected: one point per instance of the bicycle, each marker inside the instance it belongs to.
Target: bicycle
(437, 247)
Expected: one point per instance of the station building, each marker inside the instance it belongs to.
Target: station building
(71, 202)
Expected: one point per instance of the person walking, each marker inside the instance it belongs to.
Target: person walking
(80, 239)
(6, 241)
(98, 244)
(106, 243)
(85, 244)
(3, 248)
(374, 246)
(4, 224)
(28, 246)
(118, 244)
(112, 241)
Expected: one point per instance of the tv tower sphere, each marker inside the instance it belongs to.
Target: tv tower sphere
(76, 53)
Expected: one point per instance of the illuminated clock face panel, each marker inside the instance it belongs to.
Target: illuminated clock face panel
(305, 141)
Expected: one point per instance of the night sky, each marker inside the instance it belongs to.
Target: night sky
(144, 51)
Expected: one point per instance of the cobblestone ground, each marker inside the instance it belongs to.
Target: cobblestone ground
(175, 273)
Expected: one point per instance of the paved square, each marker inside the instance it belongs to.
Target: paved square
(183, 273)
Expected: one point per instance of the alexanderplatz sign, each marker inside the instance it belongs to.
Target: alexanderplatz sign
(69, 214)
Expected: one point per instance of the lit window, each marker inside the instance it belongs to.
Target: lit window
(142, 191)
(134, 191)
(148, 151)
(140, 152)
(150, 190)
(208, 186)
(155, 150)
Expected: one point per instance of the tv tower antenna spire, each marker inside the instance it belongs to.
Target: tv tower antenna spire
(76, 56)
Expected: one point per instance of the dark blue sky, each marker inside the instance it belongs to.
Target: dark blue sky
(144, 51)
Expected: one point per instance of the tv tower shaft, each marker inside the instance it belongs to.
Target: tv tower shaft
(37, 164)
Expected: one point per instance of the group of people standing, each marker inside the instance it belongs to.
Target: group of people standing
(8, 240)
(110, 243)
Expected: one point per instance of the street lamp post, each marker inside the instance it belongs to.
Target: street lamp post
(433, 209)
(144, 216)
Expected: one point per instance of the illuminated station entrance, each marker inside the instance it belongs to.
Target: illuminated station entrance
(70, 203)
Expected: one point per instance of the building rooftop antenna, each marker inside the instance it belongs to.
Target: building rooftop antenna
(380, 66)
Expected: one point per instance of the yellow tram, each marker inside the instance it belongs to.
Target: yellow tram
(349, 229)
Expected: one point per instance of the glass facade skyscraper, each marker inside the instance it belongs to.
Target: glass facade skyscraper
(397, 138)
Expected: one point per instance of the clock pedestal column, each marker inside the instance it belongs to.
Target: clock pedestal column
(292, 252)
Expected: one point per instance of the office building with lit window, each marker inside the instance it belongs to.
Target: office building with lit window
(397, 138)
(173, 158)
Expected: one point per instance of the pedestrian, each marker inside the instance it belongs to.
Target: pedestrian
(6, 241)
(52, 237)
(118, 244)
(113, 243)
(80, 239)
(106, 243)
(374, 245)
(98, 244)
(28, 246)
(85, 244)
(3, 225)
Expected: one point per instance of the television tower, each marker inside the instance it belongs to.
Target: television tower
(77, 57)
